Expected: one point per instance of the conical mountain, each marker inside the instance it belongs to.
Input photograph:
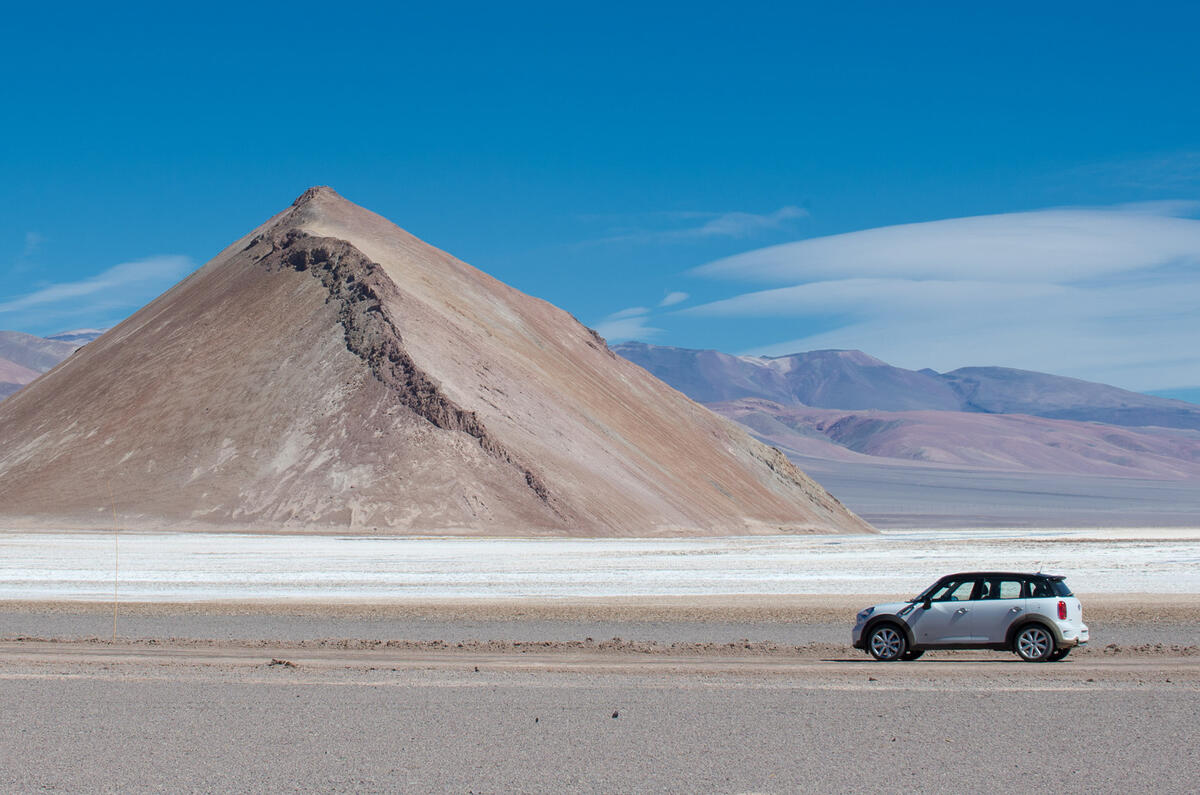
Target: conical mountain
(331, 371)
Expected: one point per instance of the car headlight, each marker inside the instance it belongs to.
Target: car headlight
(862, 615)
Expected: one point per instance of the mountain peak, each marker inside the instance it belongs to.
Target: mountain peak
(852, 355)
(330, 370)
(827, 355)
(316, 192)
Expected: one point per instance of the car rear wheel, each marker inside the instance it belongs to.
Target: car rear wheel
(1034, 643)
(887, 643)
(1059, 654)
(912, 654)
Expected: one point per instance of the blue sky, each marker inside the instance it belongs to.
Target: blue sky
(631, 163)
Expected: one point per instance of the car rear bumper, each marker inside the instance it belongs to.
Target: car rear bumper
(1071, 636)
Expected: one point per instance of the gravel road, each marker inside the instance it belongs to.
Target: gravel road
(794, 620)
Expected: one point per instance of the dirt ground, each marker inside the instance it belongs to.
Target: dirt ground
(485, 708)
(1128, 620)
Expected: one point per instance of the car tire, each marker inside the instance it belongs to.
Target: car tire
(1059, 654)
(887, 643)
(1034, 643)
(912, 654)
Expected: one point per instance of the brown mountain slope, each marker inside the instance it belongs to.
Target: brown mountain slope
(331, 371)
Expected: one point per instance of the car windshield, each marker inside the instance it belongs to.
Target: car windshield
(923, 595)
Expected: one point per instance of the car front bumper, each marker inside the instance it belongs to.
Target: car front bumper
(856, 636)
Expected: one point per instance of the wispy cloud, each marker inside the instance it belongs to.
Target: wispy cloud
(1174, 171)
(1106, 294)
(33, 242)
(627, 324)
(685, 226)
(625, 314)
(96, 299)
(743, 224)
(634, 323)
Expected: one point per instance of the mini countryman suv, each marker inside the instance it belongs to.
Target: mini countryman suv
(1033, 615)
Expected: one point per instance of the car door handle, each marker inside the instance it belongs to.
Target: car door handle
(960, 611)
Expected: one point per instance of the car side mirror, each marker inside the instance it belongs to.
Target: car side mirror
(926, 605)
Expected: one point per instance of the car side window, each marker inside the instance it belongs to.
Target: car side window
(954, 592)
(1006, 589)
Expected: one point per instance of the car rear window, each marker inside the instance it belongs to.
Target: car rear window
(1045, 589)
(1060, 588)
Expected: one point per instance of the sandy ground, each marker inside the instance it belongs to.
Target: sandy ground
(512, 696)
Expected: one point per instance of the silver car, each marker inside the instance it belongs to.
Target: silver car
(1033, 615)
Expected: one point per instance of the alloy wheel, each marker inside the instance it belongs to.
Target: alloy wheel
(886, 643)
(1034, 644)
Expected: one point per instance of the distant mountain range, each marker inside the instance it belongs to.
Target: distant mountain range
(23, 357)
(976, 447)
(1009, 442)
(852, 380)
(852, 408)
(81, 336)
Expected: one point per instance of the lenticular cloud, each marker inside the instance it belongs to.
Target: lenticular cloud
(1060, 245)
(1102, 294)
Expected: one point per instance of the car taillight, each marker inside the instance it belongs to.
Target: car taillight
(1062, 610)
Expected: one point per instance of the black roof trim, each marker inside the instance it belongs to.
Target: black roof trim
(1036, 576)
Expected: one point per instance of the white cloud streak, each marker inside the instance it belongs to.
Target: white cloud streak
(1048, 245)
(685, 226)
(122, 287)
(743, 224)
(1111, 295)
(627, 324)
(633, 323)
(633, 311)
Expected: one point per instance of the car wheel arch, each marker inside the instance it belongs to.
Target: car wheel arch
(894, 620)
(1017, 626)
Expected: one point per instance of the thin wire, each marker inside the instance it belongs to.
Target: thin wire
(116, 557)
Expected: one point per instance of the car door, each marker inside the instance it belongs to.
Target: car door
(948, 618)
(1003, 603)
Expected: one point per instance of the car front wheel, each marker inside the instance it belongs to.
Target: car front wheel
(1034, 644)
(887, 643)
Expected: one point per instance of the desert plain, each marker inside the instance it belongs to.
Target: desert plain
(382, 523)
(539, 677)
